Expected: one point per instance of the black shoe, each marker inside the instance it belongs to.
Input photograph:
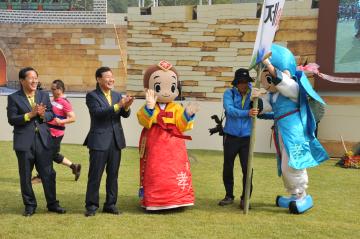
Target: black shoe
(89, 213)
(57, 209)
(76, 169)
(111, 210)
(28, 212)
(226, 201)
(242, 204)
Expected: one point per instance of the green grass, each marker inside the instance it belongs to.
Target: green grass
(336, 194)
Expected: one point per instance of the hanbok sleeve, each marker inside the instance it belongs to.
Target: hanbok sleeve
(183, 121)
(146, 117)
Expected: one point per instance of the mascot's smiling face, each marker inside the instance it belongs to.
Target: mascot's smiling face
(283, 60)
(165, 85)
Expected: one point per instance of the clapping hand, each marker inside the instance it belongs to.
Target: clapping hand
(41, 109)
(128, 100)
(34, 111)
(125, 102)
(150, 99)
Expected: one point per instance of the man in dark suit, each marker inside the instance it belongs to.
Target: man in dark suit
(105, 140)
(28, 110)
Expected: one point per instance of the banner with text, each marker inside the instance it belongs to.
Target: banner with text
(269, 23)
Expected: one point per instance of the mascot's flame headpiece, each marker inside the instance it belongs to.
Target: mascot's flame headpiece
(283, 59)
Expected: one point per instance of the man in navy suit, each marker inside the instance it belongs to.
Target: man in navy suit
(28, 110)
(105, 140)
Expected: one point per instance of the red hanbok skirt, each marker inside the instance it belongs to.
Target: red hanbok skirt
(165, 177)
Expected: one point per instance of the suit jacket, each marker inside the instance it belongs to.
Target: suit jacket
(105, 122)
(24, 132)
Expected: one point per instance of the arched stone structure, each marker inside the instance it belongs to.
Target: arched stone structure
(10, 72)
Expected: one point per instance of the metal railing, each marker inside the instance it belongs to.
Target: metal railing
(156, 3)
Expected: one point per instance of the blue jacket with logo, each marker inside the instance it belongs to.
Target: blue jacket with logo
(238, 122)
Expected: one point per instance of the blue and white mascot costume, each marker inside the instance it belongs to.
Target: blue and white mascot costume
(286, 101)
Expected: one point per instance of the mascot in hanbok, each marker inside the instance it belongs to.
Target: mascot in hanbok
(297, 148)
(165, 177)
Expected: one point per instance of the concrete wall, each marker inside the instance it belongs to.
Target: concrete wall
(117, 18)
(342, 117)
(68, 52)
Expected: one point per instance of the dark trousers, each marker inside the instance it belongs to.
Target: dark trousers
(235, 146)
(39, 156)
(98, 161)
(57, 157)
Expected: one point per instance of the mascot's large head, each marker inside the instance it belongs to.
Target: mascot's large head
(164, 80)
(283, 59)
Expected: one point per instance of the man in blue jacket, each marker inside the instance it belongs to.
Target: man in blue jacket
(237, 130)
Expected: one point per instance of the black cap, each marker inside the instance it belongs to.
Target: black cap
(241, 75)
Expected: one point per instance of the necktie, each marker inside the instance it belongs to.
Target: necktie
(108, 97)
(31, 101)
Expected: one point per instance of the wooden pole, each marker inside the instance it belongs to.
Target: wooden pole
(252, 145)
(121, 53)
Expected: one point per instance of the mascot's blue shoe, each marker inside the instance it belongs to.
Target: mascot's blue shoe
(300, 206)
(284, 202)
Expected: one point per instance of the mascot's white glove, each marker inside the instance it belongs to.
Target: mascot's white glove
(256, 93)
(191, 108)
(266, 62)
(150, 98)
